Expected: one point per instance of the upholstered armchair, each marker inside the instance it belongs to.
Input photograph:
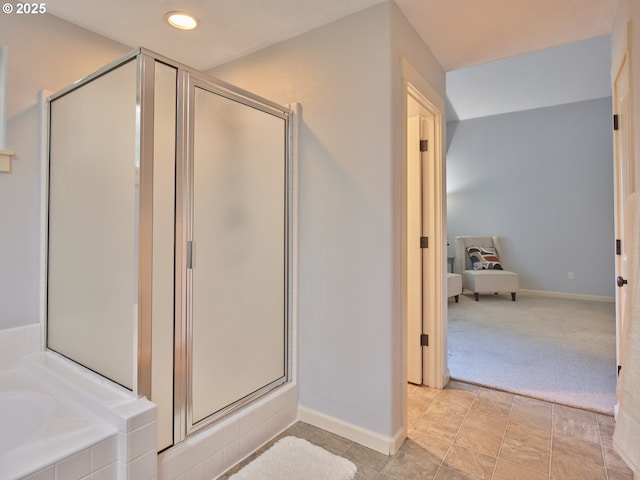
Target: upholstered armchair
(480, 262)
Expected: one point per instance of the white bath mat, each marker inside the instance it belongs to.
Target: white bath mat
(293, 458)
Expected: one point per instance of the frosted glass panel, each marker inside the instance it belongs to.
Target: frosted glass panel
(238, 276)
(92, 275)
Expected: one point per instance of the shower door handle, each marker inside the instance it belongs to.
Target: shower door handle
(189, 255)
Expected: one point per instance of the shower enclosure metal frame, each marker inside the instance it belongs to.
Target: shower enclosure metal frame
(186, 79)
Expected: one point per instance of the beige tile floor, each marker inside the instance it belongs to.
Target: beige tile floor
(466, 432)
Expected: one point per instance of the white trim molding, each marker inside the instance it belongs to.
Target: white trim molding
(375, 441)
(571, 296)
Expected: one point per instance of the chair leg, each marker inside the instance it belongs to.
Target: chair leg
(456, 298)
(477, 295)
(513, 296)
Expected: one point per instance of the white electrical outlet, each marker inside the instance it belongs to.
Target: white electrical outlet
(570, 275)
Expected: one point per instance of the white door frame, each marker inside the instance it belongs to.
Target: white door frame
(435, 371)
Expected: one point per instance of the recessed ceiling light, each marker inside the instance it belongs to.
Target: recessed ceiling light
(182, 20)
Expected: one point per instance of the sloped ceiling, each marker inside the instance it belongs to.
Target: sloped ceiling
(461, 33)
(569, 73)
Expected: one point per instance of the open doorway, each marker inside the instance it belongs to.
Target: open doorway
(540, 178)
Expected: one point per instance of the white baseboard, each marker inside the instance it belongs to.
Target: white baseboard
(573, 296)
(373, 440)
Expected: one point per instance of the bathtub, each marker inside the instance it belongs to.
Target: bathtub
(40, 428)
(58, 423)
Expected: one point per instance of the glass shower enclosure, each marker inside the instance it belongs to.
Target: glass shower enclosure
(168, 262)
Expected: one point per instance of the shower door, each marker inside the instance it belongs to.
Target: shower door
(235, 252)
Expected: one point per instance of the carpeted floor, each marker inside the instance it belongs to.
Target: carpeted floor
(555, 349)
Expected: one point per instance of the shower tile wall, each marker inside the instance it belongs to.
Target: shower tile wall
(209, 453)
(17, 342)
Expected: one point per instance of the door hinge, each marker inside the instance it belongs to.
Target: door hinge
(616, 122)
(618, 246)
(424, 145)
(424, 340)
(424, 242)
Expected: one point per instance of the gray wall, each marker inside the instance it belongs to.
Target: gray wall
(63, 53)
(20, 224)
(543, 180)
(346, 77)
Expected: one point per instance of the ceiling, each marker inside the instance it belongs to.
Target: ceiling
(228, 29)
(568, 73)
(460, 33)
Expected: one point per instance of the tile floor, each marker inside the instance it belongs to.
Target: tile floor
(466, 432)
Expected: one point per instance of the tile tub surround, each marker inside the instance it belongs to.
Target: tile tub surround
(17, 342)
(41, 429)
(214, 449)
(117, 432)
